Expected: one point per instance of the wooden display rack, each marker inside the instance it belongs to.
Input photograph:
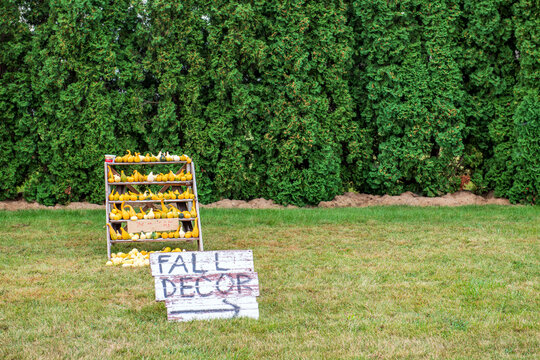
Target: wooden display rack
(181, 204)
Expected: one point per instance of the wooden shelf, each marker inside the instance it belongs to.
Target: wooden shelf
(185, 183)
(122, 221)
(156, 240)
(182, 204)
(150, 201)
(147, 163)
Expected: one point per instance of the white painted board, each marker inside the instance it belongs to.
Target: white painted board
(203, 285)
(206, 309)
(210, 285)
(201, 262)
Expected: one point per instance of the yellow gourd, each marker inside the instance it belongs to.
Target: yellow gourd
(116, 196)
(177, 232)
(143, 196)
(193, 212)
(141, 214)
(130, 157)
(111, 175)
(112, 232)
(163, 208)
(137, 157)
(171, 195)
(125, 234)
(132, 212)
(189, 176)
(111, 196)
(147, 158)
(195, 231)
(125, 214)
(170, 176)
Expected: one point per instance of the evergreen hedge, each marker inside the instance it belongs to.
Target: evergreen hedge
(296, 101)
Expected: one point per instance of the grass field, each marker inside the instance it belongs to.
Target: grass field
(382, 283)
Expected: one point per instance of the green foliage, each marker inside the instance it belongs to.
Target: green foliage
(291, 100)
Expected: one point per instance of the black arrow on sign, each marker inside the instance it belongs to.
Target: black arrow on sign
(235, 308)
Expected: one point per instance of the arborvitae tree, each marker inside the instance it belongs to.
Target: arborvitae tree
(414, 94)
(293, 100)
(232, 133)
(489, 68)
(18, 137)
(87, 78)
(309, 109)
(526, 148)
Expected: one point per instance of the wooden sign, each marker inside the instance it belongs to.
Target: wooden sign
(202, 285)
(152, 225)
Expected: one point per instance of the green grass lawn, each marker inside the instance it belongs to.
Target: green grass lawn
(381, 282)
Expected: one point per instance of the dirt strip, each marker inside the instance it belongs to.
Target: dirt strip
(349, 199)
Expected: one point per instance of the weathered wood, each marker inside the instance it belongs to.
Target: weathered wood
(184, 183)
(216, 308)
(137, 226)
(207, 286)
(148, 163)
(151, 201)
(198, 262)
(122, 221)
(202, 285)
(157, 240)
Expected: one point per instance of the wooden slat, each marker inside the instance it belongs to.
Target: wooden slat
(156, 240)
(123, 221)
(150, 201)
(208, 286)
(206, 309)
(148, 163)
(184, 183)
(205, 261)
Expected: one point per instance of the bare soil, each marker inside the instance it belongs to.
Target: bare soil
(349, 199)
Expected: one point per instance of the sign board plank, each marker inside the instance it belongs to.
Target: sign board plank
(200, 262)
(206, 309)
(216, 285)
(202, 285)
(152, 225)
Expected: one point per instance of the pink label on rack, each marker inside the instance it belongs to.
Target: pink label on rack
(152, 225)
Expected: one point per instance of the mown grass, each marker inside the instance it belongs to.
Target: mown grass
(381, 282)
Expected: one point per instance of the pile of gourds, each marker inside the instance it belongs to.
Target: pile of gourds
(161, 157)
(127, 212)
(135, 258)
(149, 195)
(178, 234)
